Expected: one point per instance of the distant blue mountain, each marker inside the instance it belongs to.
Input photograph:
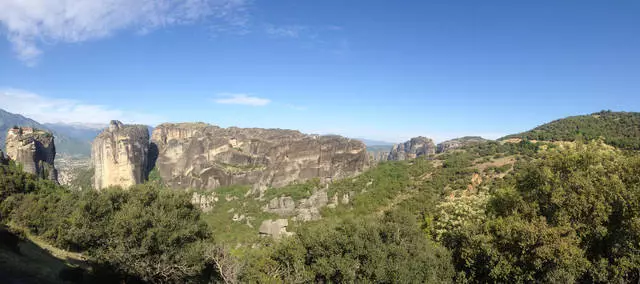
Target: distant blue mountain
(370, 142)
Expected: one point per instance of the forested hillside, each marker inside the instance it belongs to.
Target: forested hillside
(620, 129)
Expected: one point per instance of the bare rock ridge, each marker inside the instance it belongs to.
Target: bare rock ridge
(120, 155)
(415, 147)
(203, 156)
(459, 142)
(34, 149)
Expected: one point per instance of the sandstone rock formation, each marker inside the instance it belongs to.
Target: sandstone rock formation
(459, 142)
(120, 155)
(202, 156)
(276, 229)
(34, 149)
(376, 157)
(416, 147)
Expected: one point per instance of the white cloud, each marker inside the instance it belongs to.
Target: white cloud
(29, 24)
(294, 31)
(241, 99)
(52, 110)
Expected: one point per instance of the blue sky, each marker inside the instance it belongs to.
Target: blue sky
(386, 70)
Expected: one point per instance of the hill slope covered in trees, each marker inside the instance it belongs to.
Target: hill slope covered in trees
(620, 129)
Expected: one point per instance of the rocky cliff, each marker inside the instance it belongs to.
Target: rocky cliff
(416, 147)
(34, 149)
(120, 155)
(459, 142)
(202, 156)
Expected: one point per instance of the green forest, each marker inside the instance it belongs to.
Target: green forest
(491, 212)
(620, 129)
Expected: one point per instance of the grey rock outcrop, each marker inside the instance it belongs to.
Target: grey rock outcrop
(416, 147)
(306, 209)
(204, 201)
(283, 206)
(276, 229)
(34, 149)
(202, 156)
(459, 142)
(376, 157)
(120, 155)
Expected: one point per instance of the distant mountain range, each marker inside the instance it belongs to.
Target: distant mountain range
(370, 142)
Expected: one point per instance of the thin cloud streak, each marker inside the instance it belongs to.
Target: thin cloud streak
(241, 99)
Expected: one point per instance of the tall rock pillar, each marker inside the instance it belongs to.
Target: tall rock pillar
(120, 155)
(34, 149)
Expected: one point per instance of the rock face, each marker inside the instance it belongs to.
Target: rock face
(459, 142)
(202, 156)
(276, 229)
(416, 147)
(120, 155)
(34, 149)
(376, 157)
(306, 209)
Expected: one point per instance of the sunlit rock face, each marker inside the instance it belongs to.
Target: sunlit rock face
(34, 150)
(203, 156)
(120, 155)
(416, 147)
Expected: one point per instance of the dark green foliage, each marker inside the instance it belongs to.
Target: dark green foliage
(147, 233)
(363, 250)
(570, 217)
(620, 129)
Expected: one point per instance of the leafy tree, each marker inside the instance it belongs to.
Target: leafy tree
(390, 250)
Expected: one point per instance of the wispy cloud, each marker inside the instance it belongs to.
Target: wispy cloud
(240, 99)
(327, 38)
(30, 24)
(53, 110)
(296, 107)
(294, 31)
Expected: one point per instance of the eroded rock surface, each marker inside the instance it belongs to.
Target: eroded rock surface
(416, 147)
(459, 142)
(120, 155)
(34, 149)
(202, 156)
(276, 229)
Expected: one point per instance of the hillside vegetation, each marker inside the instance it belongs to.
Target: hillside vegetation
(490, 212)
(620, 129)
